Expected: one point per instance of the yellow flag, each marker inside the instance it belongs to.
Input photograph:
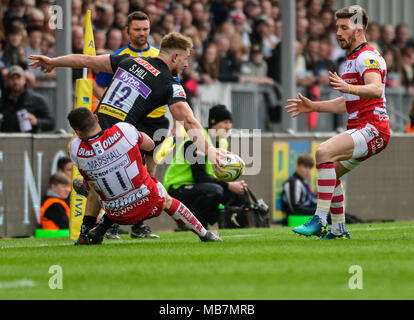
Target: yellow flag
(83, 98)
(83, 93)
(77, 208)
(88, 40)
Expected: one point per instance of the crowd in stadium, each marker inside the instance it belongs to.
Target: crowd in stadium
(234, 40)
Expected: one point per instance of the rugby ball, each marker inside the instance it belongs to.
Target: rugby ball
(232, 170)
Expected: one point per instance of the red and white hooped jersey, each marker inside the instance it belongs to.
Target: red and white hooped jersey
(363, 111)
(111, 163)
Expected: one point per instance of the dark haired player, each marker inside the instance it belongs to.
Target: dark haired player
(363, 86)
(110, 162)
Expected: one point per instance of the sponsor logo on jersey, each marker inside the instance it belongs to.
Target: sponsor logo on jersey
(372, 64)
(96, 174)
(135, 197)
(112, 112)
(82, 152)
(111, 140)
(132, 81)
(148, 66)
(126, 209)
(381, 113)
(178, 91)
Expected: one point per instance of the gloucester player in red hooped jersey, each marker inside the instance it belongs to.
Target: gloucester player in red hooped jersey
(363, 86)
(110, 161)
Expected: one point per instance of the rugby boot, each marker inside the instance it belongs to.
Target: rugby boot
(95, 235)
(210, 237)
(330, 236)
(140, 230)
(81, 240)
(314, 227)
(113, 232)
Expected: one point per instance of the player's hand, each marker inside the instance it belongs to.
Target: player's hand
(178, 130)
(217, 157)
(338, 83)
(42, 61)
(237, 187)
(299, 106)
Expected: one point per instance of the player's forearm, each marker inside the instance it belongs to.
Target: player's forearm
(71, 61)
(99, 63)
(196, 133)
(368, 91)
(330, 106)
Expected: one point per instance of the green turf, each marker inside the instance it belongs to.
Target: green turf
(249, 264)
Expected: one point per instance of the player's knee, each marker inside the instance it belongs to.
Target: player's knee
(323, 153)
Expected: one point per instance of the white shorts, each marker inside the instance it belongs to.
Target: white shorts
(368, 141)
(360, 149)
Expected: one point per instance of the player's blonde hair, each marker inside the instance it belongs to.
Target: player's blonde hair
(175, 41)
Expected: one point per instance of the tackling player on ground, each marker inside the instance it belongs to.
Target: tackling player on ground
(139, 85)
(363, 86)
(111, 163)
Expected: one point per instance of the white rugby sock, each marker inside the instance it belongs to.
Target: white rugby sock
(183, 216)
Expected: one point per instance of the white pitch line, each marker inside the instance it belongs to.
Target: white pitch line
(21, 283)
(230, 236)
(383, 228)
(40, 245)
(241, 236)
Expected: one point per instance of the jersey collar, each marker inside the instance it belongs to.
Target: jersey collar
(358, 48)
(95, 136)
(138, 50)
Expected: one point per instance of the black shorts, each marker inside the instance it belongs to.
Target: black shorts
(149, 126)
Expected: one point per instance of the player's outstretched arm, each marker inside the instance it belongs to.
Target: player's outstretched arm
(100, 63)
(181, 111)
(305, 105)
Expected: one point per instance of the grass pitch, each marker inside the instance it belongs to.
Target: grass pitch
(265, 264)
